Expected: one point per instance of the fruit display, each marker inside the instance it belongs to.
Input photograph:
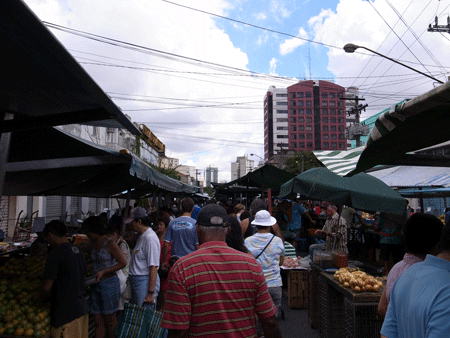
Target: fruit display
(357, 280)
(291, 263)
(20, 315)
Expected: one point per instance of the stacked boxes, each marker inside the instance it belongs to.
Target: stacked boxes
(298, 289)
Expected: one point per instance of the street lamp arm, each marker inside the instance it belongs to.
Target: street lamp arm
(350, 48)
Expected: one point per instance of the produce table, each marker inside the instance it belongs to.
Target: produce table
(341, 311)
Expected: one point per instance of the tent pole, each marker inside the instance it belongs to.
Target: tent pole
(421, 202)
(4, 148)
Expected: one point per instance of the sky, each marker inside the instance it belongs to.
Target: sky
(196, 72)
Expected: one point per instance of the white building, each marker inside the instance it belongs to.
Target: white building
(169, 162)
(211, 176)
(275, 121)
(241, 167)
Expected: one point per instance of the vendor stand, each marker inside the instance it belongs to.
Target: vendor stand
(342, 312)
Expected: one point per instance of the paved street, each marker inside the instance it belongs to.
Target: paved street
(296, 322)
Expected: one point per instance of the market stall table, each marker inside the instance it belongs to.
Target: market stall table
(343, 312)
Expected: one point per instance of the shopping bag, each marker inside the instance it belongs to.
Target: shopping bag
(139, 322)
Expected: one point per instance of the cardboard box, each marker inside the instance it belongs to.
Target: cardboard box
(298, 289)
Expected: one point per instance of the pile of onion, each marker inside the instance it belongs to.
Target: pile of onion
(357, 280)
(291, 263)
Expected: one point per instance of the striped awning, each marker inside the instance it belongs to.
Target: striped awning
(339, 162)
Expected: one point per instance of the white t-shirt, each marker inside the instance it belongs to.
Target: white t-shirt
(145, 254)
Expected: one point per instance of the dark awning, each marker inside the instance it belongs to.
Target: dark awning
(42, 84)
(416, 124)
(267, 177)
(53, 162)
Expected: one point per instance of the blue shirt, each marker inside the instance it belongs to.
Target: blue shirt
(196, 211)
(182, 232)
(420, 302)
(296, 219)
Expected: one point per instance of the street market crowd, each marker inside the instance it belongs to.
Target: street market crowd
(214, 269)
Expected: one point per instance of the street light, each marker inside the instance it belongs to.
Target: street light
(350, 48)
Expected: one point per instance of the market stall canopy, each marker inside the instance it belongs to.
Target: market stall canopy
(362, 191)
(425, 192)
(42, 84)
(267, 177)
(339, 162)
(419, 123)
(57, 163)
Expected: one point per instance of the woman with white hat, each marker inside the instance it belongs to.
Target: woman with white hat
(268, 250)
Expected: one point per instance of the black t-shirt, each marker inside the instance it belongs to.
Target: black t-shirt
(66, 265)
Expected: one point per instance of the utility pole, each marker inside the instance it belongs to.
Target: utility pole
(197, 172)
(439, 28)
(356, 110)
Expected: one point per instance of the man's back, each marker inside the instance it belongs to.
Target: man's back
(420, 301)
(183, 235)
(66, 265)
(216, 292)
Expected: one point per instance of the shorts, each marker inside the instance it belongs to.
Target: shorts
(77, 328)
(105, 296)
(396, 250)
(139, 290)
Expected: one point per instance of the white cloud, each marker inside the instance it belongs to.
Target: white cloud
(279, 9)
(273, 66)
(382, 82)
(260, 16)
(289, 45)
(262, 38)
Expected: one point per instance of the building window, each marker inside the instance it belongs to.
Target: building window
(309, 120)
(340, 120)
(301, 120)
(301, 128)
(293, 136)
(332, 120)
(340, 95)
(341, 145)
(341, 128)
(309, 144)
(282, 120)
(301, 136)
(300, 103)
(281, 103)
(301, 144)
(292, 95)
(280, 95)
(293, 103)
(282, 128)
(325, 111)
(300, 95)
(282, 111)
(293, 127)
(293, 111)
(308, 128)
(332, 95)
(333, 145)
(324, 103)
(332, 111)
(340, 112)
(293, 144)
(342, 136)
(309, 136)
(325, 136)
(324, 119)
(308, 111)
(324, 128)
(300, 112)
(293, 120)
(332, 103)
(282, 136)
(333, 136)
(308, 103)
(332, 128)
(308, 94)
(326, 145)
(340, 103)
(324, 95)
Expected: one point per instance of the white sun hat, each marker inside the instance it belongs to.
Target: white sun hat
(263, 218)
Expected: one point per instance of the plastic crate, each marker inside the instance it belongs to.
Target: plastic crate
(362, 319)
(298, 289)
(331, 311)
(313, 299)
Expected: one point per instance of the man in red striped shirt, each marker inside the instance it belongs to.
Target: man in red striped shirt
(217, 291)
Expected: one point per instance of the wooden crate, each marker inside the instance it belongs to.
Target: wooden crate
(298, 289)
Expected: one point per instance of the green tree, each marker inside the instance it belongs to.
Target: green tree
(209, 191)
(302, 160)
